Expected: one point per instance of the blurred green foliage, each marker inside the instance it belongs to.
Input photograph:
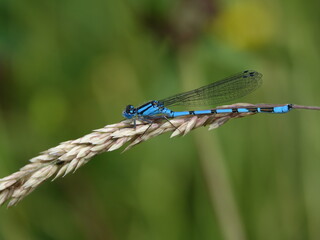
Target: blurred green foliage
(67, 67)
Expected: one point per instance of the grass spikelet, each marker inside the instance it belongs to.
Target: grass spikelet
(70, 155)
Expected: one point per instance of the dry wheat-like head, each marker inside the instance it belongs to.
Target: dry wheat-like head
(70, 155)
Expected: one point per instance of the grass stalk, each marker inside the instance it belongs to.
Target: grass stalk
(68, 156)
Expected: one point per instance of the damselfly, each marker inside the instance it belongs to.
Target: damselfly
(222, 91)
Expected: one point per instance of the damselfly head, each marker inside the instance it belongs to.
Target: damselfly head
(129, 112)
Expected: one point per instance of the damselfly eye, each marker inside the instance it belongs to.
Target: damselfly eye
(129, 109)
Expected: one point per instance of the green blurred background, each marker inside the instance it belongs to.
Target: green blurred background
(67, 67)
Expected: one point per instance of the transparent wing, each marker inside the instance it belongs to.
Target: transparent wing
(222, 91)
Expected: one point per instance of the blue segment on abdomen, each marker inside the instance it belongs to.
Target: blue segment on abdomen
(282, 109)
(185, 113)
(243, 110)
(278, 109)
(179, 114)
(202, 112)
(224, 110)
